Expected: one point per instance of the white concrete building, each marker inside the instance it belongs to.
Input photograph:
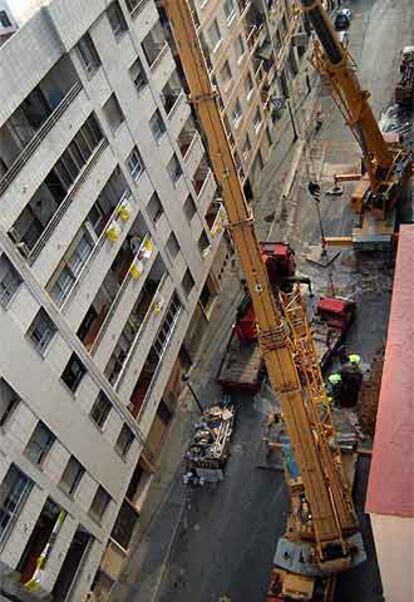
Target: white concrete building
(108, 230)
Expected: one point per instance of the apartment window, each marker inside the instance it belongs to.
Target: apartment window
(116, 20)
(13, 493)
(40, 443)
(4, 19)
(187, 282)
(75, 157)
(135, 164)
(87, 52)
(214, 35)
(226, 74)
(73, 264)
(113, 113)
(134, 5)
(72, 476)
(208, 295)
(100, 409)
(247, 147)
(138, 76)
(124, 441)
(189, 208)
(46, 203)
(239, 46)
(41, 331)
(257, 122)
(9, 400)
(9, 280)
(174, 169)
(157, 125)
(63, 286)
(236, 113)
(73, 373)
(230, 10)
(203, 243)
(154, 208)
(99, 504)
(248, 85)
(172, 246)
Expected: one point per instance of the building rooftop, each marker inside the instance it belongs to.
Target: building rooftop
(391, 481)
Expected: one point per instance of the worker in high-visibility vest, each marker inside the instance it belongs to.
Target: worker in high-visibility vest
(354, 359)
(335, 386)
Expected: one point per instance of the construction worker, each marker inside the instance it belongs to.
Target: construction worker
(335, 386)
(354, 359)
(352, 379)
(334, 379)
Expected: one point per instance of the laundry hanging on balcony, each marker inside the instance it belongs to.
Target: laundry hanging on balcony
(113, 231)
(147, 248)
(158, 305)
(136, 268)
(124, 210)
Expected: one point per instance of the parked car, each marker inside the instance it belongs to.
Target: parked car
(343, 19)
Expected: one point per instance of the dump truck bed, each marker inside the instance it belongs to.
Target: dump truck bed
(241, 367)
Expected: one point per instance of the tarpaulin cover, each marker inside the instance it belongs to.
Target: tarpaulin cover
(391, 480)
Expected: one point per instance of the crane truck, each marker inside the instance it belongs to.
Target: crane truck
(322, 535)
(387, 165)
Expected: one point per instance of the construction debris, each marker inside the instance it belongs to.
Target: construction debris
(209, 450)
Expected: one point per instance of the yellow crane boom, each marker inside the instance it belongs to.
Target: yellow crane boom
(389, 165)
(332, 513)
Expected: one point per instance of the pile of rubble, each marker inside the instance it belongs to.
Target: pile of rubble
(209, 449)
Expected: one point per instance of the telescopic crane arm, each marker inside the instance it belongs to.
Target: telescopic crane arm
(332, 512)
(388, 165)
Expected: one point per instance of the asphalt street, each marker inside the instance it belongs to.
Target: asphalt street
(226, 536)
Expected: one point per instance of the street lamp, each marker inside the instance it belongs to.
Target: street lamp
(186, 379)
(279, 103)
(292, 119)
(315, 191)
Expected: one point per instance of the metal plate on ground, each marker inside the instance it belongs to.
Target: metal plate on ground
(316, 255)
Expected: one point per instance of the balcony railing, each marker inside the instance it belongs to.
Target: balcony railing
(159, 365)
(244, 6)
(253, 35)
(217, 226)
(138, 8)
(150, 312)
(47, 232)
(162, 48)
(114, 216)
(171, 101)
(186, 141)
(124, 284)
(29, 149)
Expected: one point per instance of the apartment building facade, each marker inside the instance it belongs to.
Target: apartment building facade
(109, 226)
(254, 49)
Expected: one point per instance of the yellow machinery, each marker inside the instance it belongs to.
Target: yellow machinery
(387, 164)
(322, 536)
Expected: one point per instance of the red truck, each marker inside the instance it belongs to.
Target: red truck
(334, 316)
(242, 368)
